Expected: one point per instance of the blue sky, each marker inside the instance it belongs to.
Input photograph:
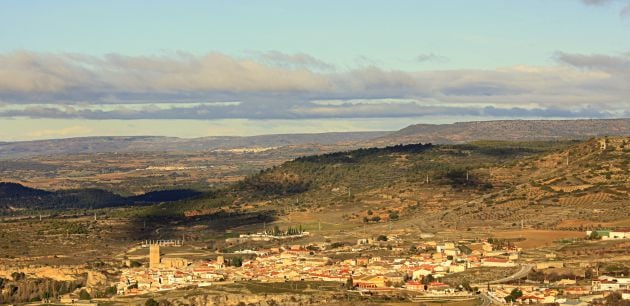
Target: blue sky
(471, 34)
(299, 61)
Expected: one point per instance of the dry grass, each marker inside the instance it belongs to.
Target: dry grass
(537, 238)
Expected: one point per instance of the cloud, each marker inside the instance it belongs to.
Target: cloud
(378, 109)
(28, 72)
(433, 58)
(274, 85)
(612, 64)
(596, 2)
(293, 61)
(625, 9)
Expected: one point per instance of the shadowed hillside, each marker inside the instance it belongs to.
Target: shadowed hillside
(15, 198)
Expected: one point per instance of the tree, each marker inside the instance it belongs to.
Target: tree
(393, 216)
(135, 264)
(84, 295)
(615, 299)
(466, 285)
(514, 295)
(588, 274)
(428, 279)
(335, 245)
(349, 283)
(237, 261)
(594, 235)
(381, 238)
(111, 291)
(151, 302)
(18, 276)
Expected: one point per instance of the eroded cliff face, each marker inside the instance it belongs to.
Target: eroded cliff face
(56, 273)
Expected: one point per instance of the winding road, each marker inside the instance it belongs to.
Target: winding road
(525, 269)
(487, 299)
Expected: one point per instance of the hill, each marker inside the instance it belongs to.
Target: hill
(488, 184)
(585, 185)
(15, 197)
(460, 132)
(159, 144)
(509, 130)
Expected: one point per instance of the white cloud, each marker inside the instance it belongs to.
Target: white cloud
(48, 85)
(431, 57)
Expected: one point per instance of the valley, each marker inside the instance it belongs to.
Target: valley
(464, 213)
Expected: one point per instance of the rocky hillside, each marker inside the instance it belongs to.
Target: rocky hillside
(585, 185)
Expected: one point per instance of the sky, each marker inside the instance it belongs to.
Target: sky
(204, 68)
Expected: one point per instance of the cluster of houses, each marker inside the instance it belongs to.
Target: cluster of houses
(417, 272)
(566, 294)
(420, 272)
(267, 236)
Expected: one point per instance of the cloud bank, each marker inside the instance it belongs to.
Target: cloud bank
(275, 85)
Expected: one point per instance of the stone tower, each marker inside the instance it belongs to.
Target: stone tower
(154, 256)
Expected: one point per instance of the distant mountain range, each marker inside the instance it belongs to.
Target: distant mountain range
(159, 143)
(459, 132)
(521, 130)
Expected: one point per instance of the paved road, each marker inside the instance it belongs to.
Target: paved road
(525, 269)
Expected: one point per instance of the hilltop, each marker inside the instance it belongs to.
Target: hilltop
(127, 144)
(509, 130)
(480, 184)
(459, 132)
(582, 186)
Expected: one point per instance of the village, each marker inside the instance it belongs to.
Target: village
(419, 275)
